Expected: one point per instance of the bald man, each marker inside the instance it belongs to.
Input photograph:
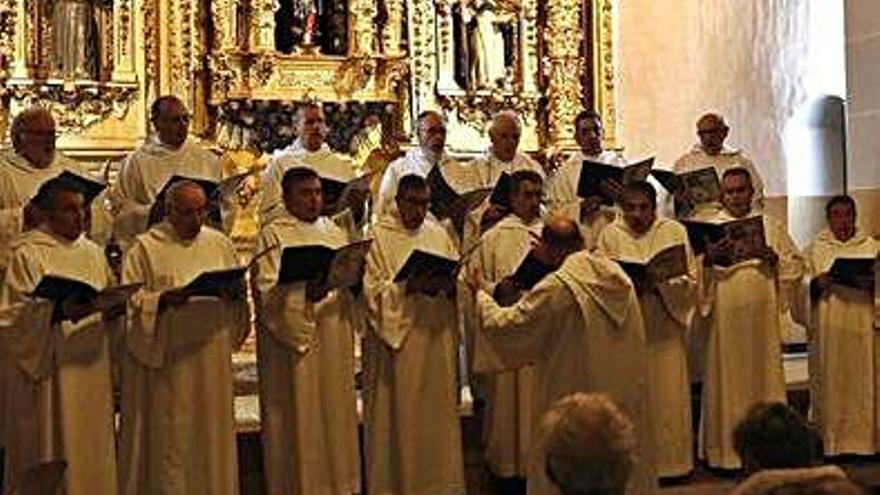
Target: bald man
(711, 151)
(431, 152)
(177, 433)
(167, 152)
(581, 327)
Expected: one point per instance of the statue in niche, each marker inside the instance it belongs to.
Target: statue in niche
(306, 24)
(75, 52)
(485, 43)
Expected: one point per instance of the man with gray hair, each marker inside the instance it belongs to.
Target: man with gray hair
(177, 433)
(589, 445)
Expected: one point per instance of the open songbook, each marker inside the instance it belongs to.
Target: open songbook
(530, 271)
(447, 203)
(594, 174)
(334, 191)
(342, 267)
(747, 236)
(858, 273)
(701, 186)
(216, 283)
(666, 264)
(89, 188)
(59, 289)
(423, 266)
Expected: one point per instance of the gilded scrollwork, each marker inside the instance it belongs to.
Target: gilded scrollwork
(75, 109)
(562, 67)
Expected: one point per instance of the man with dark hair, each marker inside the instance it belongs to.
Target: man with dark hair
(507, 421)
(55, 353)
(581, 328)
(167, 152)
(177, 432)
(412, 433)
(309, 150)
(306, 356)
(563, 183)
(841, 320)
(777, 448)
(667, 308)
(430, 153)
(744, 305)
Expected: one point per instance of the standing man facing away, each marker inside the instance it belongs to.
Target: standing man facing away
(744, 303)
(667, 308)
(582, 329)
(167, 152)
(305, 353)
(177, 433)
(412, 431)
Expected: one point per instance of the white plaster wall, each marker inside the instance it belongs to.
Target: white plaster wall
(756, 61)
(863, 83)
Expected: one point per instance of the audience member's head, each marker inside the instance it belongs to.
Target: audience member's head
(820, 486)
(840, 212)
(589, 446)
(774, 436)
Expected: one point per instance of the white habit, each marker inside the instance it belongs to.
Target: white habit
(667, 312)
(325, 162)
(744, 303)
(305, 354)
(582, 329)
(415, 162)
(58, 392)
(412, 433)
(143, 174)
(507, 422)
(844, 350)
(177, 433)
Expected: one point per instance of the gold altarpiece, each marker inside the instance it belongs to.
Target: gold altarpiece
(402, 56)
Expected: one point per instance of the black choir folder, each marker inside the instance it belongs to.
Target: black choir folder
(59, 289)
(702, 185)
(593, 174)
(447, 203)
(747, 235)
(214, 283)
(342, 267)
(857, 273)
(89, 188)
(334, 190)
(666, 264)
(424, 264)
(530, 271)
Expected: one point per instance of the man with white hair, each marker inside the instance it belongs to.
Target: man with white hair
(167, 152)
(431, 152)
(177, 432)
(309, 150)
(589, 445)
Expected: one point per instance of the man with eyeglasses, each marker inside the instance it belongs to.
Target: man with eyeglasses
(167, 152)
(712, 131)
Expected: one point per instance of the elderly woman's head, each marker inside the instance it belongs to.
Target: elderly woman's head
(589, 446)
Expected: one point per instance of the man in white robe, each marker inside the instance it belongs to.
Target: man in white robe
(305, 351)
(667, 307)
(412, 433)
(744, 304)
(507, 423)
(582, 329)
(711, 152)
(167, 152)
(484, 171)
(309, 150)
(56, 358)
(844, 345)
(431, 130)
(562, 185)
(177, 433)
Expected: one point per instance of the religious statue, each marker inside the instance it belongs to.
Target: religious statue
(75, 40)
(310, 26)
(487, 66)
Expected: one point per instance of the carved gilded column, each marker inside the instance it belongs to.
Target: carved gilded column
(20, 66)
(445, 49)
(563, 66)
(123, 42)
(392, 34)
(423, 55)
(529, 47)
(362, 36)
(604, 74)
(263, 30)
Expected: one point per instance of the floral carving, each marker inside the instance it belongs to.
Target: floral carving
(76, 108)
